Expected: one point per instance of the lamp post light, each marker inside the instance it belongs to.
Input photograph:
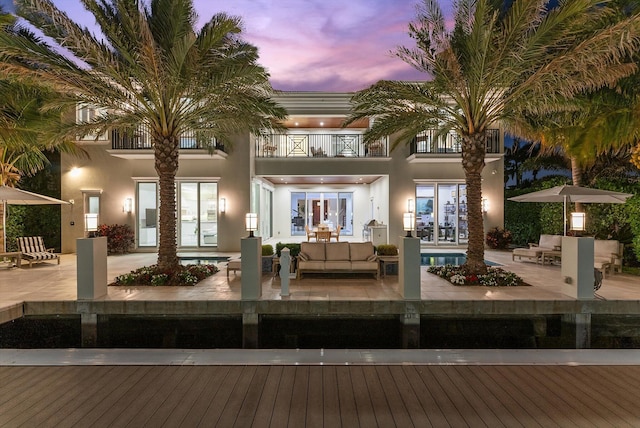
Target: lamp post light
(408, 219)
(251, 223)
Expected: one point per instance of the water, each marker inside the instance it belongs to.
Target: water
(441, 259)
(202, 260)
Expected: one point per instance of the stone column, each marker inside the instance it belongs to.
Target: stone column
(409, 268)
(577, 267)
(251, 267)
(91, 266)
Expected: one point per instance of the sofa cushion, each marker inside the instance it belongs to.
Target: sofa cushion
(337, 265)
(361, 250)
(550, 241)
(312, 265)
(337, 251)
(303, 256)
(605, 248)
(315, 250)
(363, 265)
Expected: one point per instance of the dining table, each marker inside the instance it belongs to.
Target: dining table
(323, 234)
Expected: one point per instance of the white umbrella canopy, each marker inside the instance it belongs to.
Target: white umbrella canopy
(13, 196)
(567, 194)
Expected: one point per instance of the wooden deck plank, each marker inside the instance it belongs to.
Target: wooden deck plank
(35, 397)
(397, 405)
(547, 400)
(577, 395)
(253, 396)
(457, 396)
(200, 397)
(176, 397)
(298, 410)
(315, 394)
(425, 397)
(238, 397)
(398, 377)
(330, 397)
(164, 388)
(77, 380)
(480, 404)
(262, 417)
(522, 410)
(346, 397)
(372, 406)
(219, 400)
(443, 397)
(280, 417)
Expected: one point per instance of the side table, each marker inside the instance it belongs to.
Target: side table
(14, 257)
(385, 260)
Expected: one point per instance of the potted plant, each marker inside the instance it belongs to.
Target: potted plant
(390, 254)
(267, 257)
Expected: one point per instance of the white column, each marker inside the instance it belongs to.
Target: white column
(251, 267)
(577, 267)
(285, 264)
(91, 267)
(409, 268)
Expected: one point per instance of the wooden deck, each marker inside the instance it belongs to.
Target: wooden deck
(317, 396)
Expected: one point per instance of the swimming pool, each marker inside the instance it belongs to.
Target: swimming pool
(202, 260)
(441, 259)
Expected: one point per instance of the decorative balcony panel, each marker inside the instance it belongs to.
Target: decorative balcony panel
(427, 143)
(319, 146)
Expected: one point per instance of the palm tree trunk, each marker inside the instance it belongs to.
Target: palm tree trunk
(576, 177)
(166, 164)
(473, 151)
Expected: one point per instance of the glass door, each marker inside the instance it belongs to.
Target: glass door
(208, 221)
(198, 208)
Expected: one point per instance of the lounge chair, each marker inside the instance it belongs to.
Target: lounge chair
(34, 251)
(534, 252)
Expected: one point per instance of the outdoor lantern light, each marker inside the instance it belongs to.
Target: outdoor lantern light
(223, 205)
(578, 221)
(485, 205)
(407, 223)
(411, 205)
(90, 222)
(127, 205)
(251, 223)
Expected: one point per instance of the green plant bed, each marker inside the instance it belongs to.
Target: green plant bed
(495, 277)
(152, 275)
(387, 250)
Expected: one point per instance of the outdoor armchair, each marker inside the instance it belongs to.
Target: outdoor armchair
(34, 251)
(535, 250)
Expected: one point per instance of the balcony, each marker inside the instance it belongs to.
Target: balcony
(140, 139)
(137, 145)
(427, 143)
(319, 146)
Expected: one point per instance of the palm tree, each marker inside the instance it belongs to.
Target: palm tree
(501, 61)
(150, 67)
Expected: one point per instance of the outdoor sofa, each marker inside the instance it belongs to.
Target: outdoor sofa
(534, 252)
(607, 254)
(337, 257)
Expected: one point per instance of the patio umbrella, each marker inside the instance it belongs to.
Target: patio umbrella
(12, 196)
(567, 194)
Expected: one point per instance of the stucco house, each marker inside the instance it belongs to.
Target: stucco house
(315, 173)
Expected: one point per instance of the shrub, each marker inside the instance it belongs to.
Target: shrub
(152, 275)
(495, 277)
(267, 250)
(294, 248)
(120, 237)
(498, 238)
(387, 250)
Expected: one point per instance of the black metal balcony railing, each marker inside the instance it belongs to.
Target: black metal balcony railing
(140, 139)
(319, 145)
(427, 143)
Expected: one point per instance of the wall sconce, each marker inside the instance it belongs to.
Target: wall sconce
(74, 171)
(251, 223)
(90, 222)
(578, 221)
(127, 205)
(411, 205)
(408, 219)
(223, 205)
(485, 205)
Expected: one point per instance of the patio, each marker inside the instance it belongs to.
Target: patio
(51, 282)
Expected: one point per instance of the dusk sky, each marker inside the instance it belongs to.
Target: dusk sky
(315, 45)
